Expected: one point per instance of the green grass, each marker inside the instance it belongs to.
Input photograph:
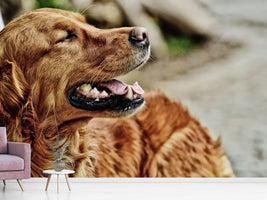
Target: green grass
(179, 45)
(61, 4)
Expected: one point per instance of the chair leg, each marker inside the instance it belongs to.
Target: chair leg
(20, 184)
(4, 181)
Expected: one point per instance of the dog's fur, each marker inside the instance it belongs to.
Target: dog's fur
(161, 140)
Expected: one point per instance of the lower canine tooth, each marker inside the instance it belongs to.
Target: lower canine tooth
(129, 94)
(104, 93)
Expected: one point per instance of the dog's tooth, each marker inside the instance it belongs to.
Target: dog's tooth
(95, 91)
(86, 87)
(135, 96)
(104, 93)
(129, 94)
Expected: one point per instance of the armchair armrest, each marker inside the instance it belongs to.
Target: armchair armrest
(22, 150)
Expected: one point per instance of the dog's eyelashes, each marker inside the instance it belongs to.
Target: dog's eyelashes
(69, 37)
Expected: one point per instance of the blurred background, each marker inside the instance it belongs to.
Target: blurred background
(209, 54)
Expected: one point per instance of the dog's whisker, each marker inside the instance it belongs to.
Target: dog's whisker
(152, 58)
(103, 61)
(93, 70)
(99, 70)
(92, 5)
(78, 7)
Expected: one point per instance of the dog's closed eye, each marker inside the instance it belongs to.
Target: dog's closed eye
(68, 37)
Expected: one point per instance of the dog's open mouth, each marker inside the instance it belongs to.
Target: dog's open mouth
(112, 95)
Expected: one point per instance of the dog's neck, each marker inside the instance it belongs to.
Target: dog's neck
(30, 130)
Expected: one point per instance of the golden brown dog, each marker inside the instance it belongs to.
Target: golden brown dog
(57, 77)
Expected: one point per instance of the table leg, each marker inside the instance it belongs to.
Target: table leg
(48, 181)
(57, 183)
(67, 180)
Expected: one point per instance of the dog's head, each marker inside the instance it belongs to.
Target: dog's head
(59, 60)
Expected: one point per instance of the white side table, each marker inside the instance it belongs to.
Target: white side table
(53, 172)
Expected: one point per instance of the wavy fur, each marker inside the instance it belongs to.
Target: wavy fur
(162, 140)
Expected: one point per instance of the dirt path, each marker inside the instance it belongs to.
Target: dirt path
(224, 84)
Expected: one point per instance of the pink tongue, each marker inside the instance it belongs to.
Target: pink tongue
(137, 89)
(120, 88)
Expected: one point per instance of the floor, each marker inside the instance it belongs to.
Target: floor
(136, 189)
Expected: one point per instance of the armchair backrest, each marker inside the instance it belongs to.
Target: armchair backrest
(3, 140)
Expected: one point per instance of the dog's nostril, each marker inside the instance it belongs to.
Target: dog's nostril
(139, 37)
(139, 33)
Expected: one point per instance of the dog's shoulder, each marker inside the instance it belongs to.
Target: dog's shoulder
(160, 110)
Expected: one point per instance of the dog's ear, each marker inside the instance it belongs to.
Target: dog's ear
(14, 89)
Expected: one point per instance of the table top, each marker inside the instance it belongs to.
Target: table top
(65, 171)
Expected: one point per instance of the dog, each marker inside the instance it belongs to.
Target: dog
(58, 78)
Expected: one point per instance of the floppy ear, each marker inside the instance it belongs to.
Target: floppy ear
(14, 90)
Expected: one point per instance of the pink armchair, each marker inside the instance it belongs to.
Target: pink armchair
(15, 159)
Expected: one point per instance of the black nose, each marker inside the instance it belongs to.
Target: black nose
(139, 37)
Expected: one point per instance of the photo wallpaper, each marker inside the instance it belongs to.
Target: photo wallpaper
(137, 88)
